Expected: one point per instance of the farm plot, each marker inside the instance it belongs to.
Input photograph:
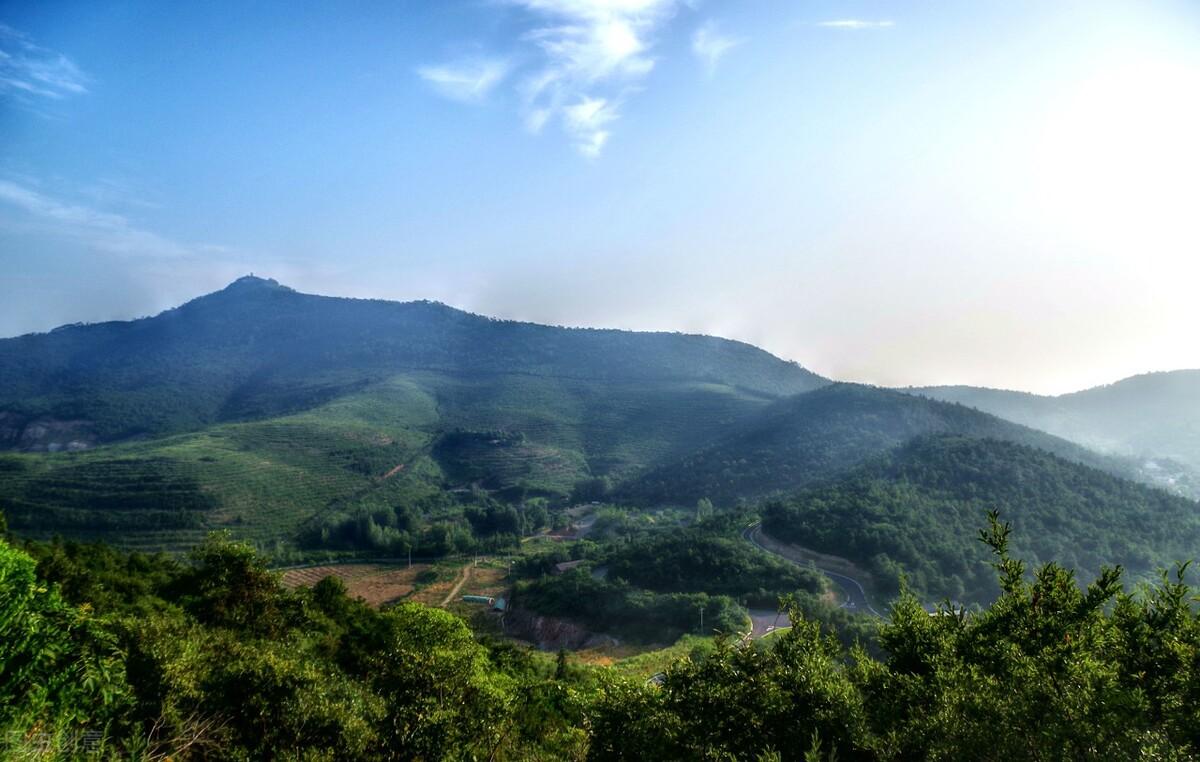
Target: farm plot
(377, 584)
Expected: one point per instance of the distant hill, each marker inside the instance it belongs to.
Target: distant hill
(917, 509)
(1154, 416)
(812, 436)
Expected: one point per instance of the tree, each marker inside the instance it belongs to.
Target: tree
(61, 676)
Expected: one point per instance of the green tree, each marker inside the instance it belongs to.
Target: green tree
(61, 676)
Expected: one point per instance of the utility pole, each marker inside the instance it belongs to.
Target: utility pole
(702, 620)
(410, 557)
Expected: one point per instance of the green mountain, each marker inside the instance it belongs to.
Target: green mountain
(275, 413)
(916, 510)
(1154, 417)
(813, 436)
(258, 349)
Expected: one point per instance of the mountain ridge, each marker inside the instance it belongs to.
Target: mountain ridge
(257, 339)
(1150, 415)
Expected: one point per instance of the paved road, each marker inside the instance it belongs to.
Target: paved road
(765, 621)
(855, 596)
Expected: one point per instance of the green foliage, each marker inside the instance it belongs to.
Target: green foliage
(229, 586)
(1049, 671)
(912, 512)
(60, 674)
(614, 606)
(216, 661)
(107, 580)
(435, 683)
(737, 703)
(699, 560)
(1046, 672)
(815, 436)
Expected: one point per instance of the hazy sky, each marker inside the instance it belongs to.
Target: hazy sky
(1001, 193)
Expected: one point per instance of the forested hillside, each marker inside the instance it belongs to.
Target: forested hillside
(912, 511)
(813, 436)
(311, 424)
(300, 420)
(259, 349)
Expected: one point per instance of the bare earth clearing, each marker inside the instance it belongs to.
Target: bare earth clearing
(377, 584)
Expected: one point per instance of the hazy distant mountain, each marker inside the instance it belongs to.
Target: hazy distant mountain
(917, 510)
(812, 436)
(1156, 415)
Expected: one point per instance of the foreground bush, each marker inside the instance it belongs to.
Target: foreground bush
(215, 660)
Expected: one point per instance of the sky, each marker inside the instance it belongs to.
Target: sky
(992, 192)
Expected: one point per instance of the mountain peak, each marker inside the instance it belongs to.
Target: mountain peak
(253, 282)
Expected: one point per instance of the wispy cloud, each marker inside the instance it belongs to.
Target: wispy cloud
(29, 70)
(594, 52)
(710, 45)
(581, 61)
(854, 25)
(468, 80)
(99, 230)
(588, 121)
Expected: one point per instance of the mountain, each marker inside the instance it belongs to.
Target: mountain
(257, 349)
(813, 436)
(917, 511)
(278, 414)
(1155, 416)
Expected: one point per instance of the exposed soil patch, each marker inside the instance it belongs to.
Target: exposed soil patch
(551, 633)
(377, 584)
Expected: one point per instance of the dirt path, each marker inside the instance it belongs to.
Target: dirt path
(466, 575)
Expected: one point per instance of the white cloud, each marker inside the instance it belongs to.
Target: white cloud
(709, 45)
(593, 54)
(468, 81)
(27, 69)
(588, 56)
(99, 230)
(855, 24)
(588, 121)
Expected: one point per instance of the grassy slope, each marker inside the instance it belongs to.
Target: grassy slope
(264, 480)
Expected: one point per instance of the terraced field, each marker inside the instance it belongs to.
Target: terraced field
(261, 480)
(398, 441)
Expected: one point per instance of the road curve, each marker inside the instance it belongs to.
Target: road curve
(855, 595)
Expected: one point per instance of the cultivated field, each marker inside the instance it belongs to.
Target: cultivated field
(377, 584)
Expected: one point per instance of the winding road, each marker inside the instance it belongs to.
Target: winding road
(855, 596)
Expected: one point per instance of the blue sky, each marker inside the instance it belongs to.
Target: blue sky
(999, 193)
